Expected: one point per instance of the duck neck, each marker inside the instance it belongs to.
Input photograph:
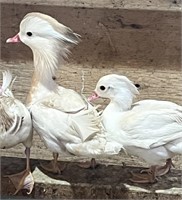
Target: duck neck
(42, 81)
(123, 100)
(120, 102)
(112, 113)
(122, 105)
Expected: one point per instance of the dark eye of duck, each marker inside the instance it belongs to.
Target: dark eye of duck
(102, 87)
(29, 33)
(137, 85)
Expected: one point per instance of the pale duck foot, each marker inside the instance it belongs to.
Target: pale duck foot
(22, 180)
(53, 166)
(161, 170)
(148, 177)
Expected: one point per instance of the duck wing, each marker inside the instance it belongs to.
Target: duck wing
(155, 104)
(65, 100)
(15, 119)
(153, 127)
(75, 120)
(10, 122)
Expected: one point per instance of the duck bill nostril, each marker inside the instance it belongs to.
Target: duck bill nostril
(93, 97)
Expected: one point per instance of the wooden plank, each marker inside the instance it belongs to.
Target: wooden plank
(129, 37)
(111, 4)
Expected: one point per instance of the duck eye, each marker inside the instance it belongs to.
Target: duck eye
(102, 87)
(29, 33)
(137, 85)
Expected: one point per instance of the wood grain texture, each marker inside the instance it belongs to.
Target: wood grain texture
(133, 38)
(111, 4)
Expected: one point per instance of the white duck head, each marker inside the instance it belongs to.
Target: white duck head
(119, 89)
(48, 39)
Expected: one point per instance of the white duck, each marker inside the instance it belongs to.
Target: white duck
(63, 119)
(15, 128)
(150, 129)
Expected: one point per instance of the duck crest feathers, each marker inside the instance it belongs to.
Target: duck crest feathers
(65, 33)
(55, 40)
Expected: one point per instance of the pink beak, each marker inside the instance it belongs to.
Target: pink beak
(14, 39)
(93, 97)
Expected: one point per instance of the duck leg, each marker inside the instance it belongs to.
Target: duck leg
(148, 177)
(24, 179)
(89, 164)
(53, 165)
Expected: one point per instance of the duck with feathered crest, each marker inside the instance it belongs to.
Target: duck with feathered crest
(64, 120)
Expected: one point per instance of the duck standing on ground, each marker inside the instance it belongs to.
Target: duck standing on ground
(64, 120)
(149, 129)
(15, 128)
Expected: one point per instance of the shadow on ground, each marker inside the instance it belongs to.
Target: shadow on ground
(110, 180)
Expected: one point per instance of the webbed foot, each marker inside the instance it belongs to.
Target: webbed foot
(22, 180)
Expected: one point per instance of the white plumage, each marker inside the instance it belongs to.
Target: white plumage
(149, 129)
(64, 120)
(15, 128)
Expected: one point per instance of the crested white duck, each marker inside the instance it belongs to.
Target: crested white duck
(149, 129)
(15, 128)
(65, 121)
